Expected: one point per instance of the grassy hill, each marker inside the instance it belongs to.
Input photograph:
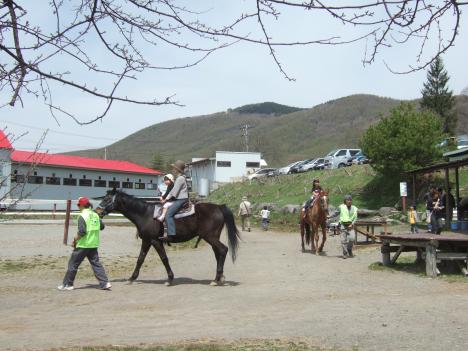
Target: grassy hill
(282, 133)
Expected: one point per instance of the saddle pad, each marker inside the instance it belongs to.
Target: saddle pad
(186, 212)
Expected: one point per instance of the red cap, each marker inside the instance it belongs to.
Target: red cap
(83, 201)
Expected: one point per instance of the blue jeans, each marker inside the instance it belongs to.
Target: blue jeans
(171, 211)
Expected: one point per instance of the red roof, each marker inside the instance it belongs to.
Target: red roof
(4, 142)
(79, 162)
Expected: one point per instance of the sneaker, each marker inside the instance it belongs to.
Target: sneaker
(160, 218)
(65, 287)
(108, 286)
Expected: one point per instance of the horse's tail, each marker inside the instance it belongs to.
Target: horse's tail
(233, 232)
(307, 233)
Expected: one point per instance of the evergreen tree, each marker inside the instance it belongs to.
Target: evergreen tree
(437, 97)
(157, 162)
(404, 140)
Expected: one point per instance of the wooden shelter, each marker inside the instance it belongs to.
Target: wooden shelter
(456, 160)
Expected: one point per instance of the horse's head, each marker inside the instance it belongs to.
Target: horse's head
(108, 203)
(324, 199)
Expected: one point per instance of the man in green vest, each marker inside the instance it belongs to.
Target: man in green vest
(348, 215)
(86, 243)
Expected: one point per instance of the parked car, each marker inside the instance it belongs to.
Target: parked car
(461, 141)
(297, 167)
(287, 169)
(263, 172)
(339, 158)
(316, 163)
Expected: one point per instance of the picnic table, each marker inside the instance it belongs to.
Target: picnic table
(367, 228)
(430, 247)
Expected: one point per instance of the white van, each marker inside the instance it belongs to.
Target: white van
(339, 158)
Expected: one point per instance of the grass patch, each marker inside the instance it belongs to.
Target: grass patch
(273, 345)
(407, 264)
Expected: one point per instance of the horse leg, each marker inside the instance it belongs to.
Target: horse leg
(324, 237)
(158, 246)
(316, 237)
(145, 245)
(302, 234)
(220, 250)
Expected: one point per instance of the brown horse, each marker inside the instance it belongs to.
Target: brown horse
(315, 216)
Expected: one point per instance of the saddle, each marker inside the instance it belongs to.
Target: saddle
(186, 210)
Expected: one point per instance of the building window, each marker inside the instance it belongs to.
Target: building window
(139, 185)
(53, 180)
(114, 184)
(17, 178)
(86, 182)
(223, 163)
(127, 185)
(35, 179)
(252, 164)
(69, 181)
(100, 183)
(151, 186)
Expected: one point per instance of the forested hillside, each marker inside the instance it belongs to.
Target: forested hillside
(281, 133)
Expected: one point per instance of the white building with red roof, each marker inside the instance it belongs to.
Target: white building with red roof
(42, 176)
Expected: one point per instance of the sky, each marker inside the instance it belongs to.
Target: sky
(238, 75)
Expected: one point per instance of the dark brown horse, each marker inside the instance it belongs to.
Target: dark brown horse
(311, 219)
(207, 223)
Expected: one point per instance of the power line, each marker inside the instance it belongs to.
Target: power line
(56, 131)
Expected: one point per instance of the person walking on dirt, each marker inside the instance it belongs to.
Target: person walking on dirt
(348, 215)
(86, 243)
(265, 214)
(245, 211)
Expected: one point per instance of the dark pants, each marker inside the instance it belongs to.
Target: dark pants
(171, 211)
(436, 225)
(77, 256)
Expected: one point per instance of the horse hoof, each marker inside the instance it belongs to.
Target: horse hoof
(214, 283)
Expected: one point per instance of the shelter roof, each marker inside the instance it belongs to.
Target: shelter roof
(439, 166)
(4, 142)
(69, 161)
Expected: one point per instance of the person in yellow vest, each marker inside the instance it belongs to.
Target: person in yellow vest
(86, 243)
(348, 215)
(413, 219)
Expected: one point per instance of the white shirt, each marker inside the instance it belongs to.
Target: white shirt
(265, 214)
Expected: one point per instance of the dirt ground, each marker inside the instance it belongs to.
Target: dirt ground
(272, 291)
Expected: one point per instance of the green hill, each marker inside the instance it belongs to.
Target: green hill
(281, 133)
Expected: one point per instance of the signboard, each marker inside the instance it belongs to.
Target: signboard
(403, 189)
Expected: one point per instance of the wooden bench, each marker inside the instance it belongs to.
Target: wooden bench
(429, 247)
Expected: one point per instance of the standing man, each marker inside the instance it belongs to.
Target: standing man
(245, 211)
(179, 195)
(86, 243)
(348, 215)
(429, 199)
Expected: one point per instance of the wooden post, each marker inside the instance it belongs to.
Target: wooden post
(431, 261)
(413, 195)
(385, 250)
(67, 223)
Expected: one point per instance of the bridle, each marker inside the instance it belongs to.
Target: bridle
(109, 207)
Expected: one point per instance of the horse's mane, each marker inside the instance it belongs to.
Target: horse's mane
(133, 203)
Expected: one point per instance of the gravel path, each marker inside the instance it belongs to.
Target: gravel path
(272, 291)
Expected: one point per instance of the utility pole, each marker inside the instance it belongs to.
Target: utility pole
(105, 153)
(245, 134)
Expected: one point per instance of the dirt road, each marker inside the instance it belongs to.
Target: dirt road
(272, 291)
